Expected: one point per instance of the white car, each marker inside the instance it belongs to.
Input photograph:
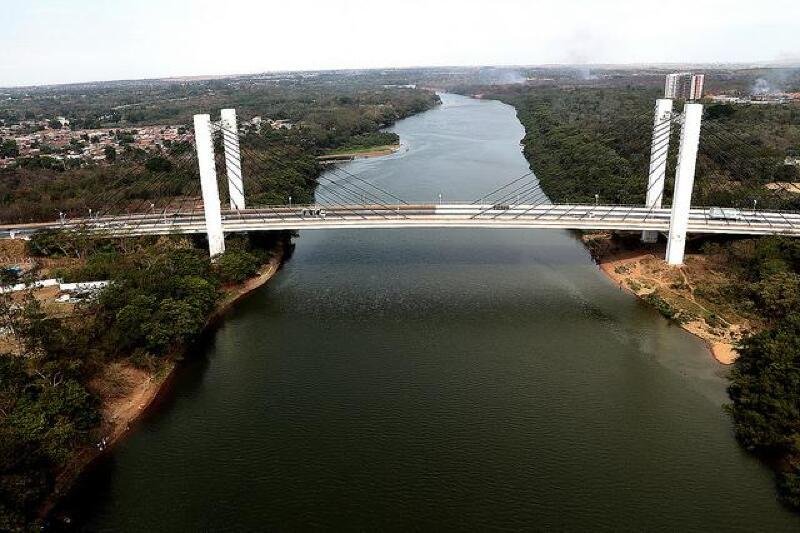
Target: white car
(726, 213)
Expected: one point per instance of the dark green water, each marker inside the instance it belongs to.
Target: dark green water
(439, 380)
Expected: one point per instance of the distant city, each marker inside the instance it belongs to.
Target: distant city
(56, 140)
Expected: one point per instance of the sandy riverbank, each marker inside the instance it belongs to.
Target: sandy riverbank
(126, 391)
(674, 291)
(363, 153)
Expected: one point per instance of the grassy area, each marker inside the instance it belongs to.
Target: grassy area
(339, 152)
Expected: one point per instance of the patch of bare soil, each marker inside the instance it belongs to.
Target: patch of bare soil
(684, 294)
(124, 391)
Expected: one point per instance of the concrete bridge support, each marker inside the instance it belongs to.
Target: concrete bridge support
(684, 183)
(233, 159)
(208, 184)
(659, 149)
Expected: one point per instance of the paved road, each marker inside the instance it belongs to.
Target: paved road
(562, 216)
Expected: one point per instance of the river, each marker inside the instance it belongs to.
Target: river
(439, 379)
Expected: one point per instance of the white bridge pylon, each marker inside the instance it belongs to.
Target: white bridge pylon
(684, 183)
(659, 151)
(208, 184)
(679, 219)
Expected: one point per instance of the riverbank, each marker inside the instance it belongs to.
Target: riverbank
(360, 153)
(678, 293)
(127, 391)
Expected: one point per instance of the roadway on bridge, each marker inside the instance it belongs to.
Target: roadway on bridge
(540, 216)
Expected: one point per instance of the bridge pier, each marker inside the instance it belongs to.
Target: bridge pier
(233, 160)
(684, 183)
(208, 184)
(659, 150)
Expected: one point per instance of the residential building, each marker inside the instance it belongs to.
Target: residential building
(684, 86)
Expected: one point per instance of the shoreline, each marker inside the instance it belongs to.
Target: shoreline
(120, 414)
(623, 268)
(364, 153)
(723, 350)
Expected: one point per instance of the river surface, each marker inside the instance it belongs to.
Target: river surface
(439, 379)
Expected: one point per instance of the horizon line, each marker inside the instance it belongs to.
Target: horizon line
(775, 64)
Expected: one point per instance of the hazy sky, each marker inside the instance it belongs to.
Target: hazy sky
(55, 41)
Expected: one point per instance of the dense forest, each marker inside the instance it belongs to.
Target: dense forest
(765, 381)
(588, 141)
(582, 142)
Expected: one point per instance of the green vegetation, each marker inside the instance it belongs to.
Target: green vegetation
(345, 153)
(352, 103)
(588, 141)
(369, 140)
(46, 409)
(275, 169)
(765, 381)
(578, 149)
(8, 148)
(41, 188)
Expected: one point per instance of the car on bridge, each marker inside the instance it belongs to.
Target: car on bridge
(726, 213)
(318, 213)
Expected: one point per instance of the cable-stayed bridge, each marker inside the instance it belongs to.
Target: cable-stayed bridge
(445, 215)
(348, 201)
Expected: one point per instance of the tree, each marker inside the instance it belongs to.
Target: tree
(110, 152)
(158, 164)
(236, 266)
(779, 294)
(131, 318)
(174, 322)
(9, 148)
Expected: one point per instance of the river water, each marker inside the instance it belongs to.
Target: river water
(439, 379)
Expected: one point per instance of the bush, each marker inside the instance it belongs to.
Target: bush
(661, 305)
(789, 488)
(158, 164)
(236, 266)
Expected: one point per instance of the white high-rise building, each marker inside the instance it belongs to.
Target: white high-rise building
(684, 86)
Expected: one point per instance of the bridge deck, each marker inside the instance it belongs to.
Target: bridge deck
(560, 216)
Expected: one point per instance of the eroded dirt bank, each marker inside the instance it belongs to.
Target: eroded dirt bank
(684, 294)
